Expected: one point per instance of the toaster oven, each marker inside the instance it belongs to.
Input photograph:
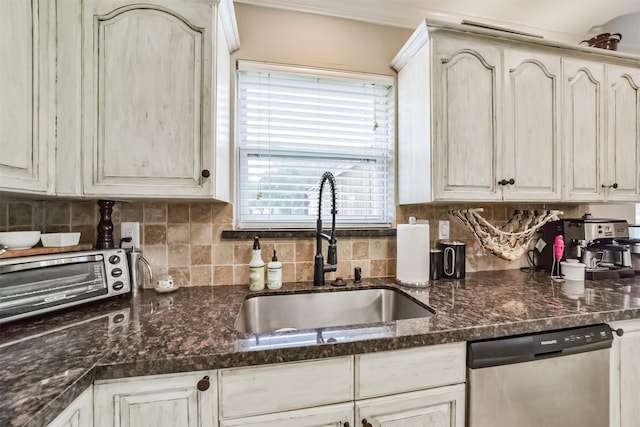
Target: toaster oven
(38, 284)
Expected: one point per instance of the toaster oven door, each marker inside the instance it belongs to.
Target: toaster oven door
(41, 286)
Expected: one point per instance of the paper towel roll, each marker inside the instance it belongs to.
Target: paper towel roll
(412, 256)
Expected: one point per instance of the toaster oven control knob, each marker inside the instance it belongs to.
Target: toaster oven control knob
(116, 272)
(114, 259)
(118, 286)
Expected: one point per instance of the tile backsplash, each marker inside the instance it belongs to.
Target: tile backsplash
(183, 239)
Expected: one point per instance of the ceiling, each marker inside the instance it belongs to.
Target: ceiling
(563, 20)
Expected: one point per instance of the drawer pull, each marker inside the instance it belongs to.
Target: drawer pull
(203, 384)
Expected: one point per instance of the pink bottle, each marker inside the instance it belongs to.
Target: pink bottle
(558, 248)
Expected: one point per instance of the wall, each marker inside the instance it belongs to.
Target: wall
(295, 38)
(183, 239)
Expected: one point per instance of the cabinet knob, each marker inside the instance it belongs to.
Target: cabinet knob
(619, 332)
(206, 173)
(365, 423)
(345, 424)
(505, 182)
(203, 384)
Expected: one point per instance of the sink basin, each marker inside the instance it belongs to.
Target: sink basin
(287, 312)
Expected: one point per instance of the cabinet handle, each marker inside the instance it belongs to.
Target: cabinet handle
(365, 423)
(206, 173)
(505, 182)
(203, 384)
(614, 185)
(619, 332)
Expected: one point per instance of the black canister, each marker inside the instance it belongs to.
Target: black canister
(435, 264)
(453, 259)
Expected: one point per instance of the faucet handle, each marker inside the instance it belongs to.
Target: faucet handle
(332, 254)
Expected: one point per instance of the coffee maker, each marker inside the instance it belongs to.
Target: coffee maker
(599, 243)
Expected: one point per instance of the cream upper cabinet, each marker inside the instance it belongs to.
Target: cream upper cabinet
(486, 115)
(466, 105)
(583, 136)
(186, 400)
(601, 131)
(622, 176)
(27, 105)
(532, 126)
(151, 73)
(478, 119)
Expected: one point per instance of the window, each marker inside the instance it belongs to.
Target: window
(292, 125)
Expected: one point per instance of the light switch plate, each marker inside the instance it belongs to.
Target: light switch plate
(130, 229)
(443, 230)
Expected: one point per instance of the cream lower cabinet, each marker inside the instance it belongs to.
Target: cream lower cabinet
(78, 414)
(27, 87)
(625, 375)
(438, 407)
(420, 386)
(157, 401)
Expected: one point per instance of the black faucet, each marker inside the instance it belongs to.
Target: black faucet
(332, 254)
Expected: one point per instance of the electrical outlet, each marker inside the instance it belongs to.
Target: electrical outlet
(443, 230)
(130, 229)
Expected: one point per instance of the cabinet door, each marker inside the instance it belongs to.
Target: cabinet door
(583, 130)
(27, 107)
(147, 97)
(467, 147)
(323, 416)
(625, 375)
(78, 414)
(157, 401)
(623, 137)
(438, 407)
(532, 137)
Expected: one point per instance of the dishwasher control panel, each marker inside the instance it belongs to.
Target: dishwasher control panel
(525, 348)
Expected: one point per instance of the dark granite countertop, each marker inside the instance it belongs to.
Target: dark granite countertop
(48, 361)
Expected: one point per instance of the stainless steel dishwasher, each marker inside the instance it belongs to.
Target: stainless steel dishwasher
(550, 379)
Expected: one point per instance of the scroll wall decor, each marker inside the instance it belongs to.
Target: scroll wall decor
(510, 241)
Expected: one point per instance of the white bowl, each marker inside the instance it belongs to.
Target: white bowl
(52, 240)
(15, 240)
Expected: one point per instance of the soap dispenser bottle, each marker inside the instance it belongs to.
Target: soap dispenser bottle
(256, 267)
(274, 270)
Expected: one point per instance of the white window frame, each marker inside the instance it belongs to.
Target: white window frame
(240, 153)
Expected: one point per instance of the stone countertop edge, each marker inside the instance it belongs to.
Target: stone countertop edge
(485, 305)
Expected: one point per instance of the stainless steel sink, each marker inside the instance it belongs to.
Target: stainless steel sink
(283, 312)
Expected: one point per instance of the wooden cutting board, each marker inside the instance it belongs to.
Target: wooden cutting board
(43, 251)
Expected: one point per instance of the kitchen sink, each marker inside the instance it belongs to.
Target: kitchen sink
(310, 310)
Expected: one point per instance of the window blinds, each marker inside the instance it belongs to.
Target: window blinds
(291, 127)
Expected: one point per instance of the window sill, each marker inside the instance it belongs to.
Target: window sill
(305, 233)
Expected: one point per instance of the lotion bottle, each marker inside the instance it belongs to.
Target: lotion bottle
(256, 267)
(274, 268)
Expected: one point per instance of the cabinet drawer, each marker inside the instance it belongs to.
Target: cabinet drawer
(329, 416)
(391, 372)
(285, 386)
